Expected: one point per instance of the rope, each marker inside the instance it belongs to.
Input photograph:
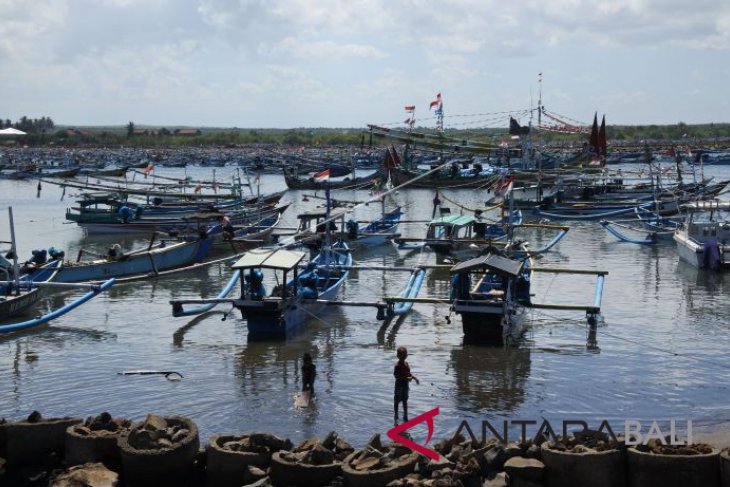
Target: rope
(459, 205)
(642, 344)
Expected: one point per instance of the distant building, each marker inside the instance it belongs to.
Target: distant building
(141, 132)
(187, 132)
(74, 132)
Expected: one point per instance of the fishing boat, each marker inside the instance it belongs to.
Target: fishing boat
(17, 295)
(279, 313)
(491, 293)
(151, 260)
(647, 228)
(196, 223)
(703, 239)
(294, 181)
(449, 234)
(376, 232)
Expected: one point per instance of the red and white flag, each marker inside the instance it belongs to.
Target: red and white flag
(436, 103)
(410, 108)
(503, 189)
(198, 188)
(322, 176)
(149, 169)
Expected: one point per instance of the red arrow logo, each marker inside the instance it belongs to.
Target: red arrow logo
(395, 433)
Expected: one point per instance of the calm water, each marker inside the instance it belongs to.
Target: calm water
(662, 352)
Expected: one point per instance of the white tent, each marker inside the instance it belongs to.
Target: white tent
(11, 131)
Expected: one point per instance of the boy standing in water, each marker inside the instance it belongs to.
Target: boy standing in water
(403, 376)
(309, 372)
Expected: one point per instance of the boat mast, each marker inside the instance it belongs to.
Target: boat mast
(14, 251)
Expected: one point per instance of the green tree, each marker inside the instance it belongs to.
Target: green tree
(130, 129)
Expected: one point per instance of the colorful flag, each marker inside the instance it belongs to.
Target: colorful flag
(322, 176)
(149, 169)
(410, 108)
(257, 179)
(198, 188)
(436, 103)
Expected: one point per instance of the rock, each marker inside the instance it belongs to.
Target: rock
(179, 435)
(155, 423)
(267, 440)
(374, 442)
(320, 455)
(581, 449)
(330, 440)
(499, 480)
(495, 457)
(288, 456)
(35, 417)
(88, 475)
(342, 445)
(141, 439)
(524, 468)
(307, 445)
(513, 450)
(164, 443)
(368, 463)
(441, 463)
(533, 452)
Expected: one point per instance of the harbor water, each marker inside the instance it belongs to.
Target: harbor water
(660, 353)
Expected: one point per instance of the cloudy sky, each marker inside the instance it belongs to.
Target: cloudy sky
(346, 63)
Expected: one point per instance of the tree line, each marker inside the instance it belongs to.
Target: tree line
(30, 125)
(44, 131)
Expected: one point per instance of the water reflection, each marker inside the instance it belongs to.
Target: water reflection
(490, 378)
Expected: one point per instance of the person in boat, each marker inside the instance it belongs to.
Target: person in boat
(436, 204)
(309, 373)
(228, 230)
(115, 252)
(125, 213)
(403, 376)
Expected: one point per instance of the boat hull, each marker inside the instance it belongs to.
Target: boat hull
(147, 262)
(484, 323)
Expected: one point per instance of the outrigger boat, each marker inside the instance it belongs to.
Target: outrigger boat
(17, 296)
(376, 232)
(151, 260)
(297, 295)
(491, 293)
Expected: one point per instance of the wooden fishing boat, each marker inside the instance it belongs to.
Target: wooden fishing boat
(491, 293)
(294, 181)
(151, 260)
(603, 211)
(376, 232)
(19, 295)
(703, 240)
(18, 292)
(197, 223)
(451, 235)
(278, 314)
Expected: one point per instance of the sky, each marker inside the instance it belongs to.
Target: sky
(348, 63)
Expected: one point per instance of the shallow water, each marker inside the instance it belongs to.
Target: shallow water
(662, 349)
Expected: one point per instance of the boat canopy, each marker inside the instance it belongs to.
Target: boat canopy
(281, 259)
(495, 263)
(456, 220)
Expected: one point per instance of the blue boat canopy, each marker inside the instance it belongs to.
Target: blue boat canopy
(281, 259)
(495, 263)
